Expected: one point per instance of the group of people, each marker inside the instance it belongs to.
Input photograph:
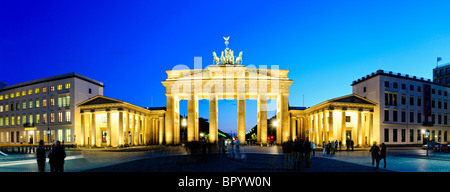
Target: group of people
(378, 154)
(293, 153)
(332, 146)
(56, 157)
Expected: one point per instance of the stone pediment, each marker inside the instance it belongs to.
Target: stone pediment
(99, 100)
(353, 98)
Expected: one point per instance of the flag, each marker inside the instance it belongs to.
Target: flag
(438, 59)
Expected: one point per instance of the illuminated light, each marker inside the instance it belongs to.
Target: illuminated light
(275, 123)
(183, 122)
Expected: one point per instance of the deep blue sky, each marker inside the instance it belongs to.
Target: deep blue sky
(128, 45)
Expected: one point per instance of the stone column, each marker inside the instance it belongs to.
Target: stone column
(108, 128)
(293, 128)
(262, 125)
(161, 130)
(330, 125)
(82, 135)
(192, 119)
(127, 129)
(359, 131)
(93, 129)
(172, 131)
(343, 127)
(371, 140)
(284, 118)
(241, 118)
(213, 118)
(121, 128)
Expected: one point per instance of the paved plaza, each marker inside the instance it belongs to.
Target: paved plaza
(250, 159)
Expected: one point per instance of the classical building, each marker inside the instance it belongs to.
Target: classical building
(112, 123)
(409, 108)
(44, 109)
(342, 119)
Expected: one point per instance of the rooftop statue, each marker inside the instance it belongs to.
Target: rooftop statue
(227, 56)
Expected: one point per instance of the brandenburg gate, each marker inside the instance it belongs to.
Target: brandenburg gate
(227, 78)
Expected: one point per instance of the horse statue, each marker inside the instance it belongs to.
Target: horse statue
(216, 59)
(239, 59)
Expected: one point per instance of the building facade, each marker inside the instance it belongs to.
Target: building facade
(343, 119)
(44, 109)
(409, 108)
(441, 74)
(108, 122)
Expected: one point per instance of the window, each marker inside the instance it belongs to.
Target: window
(419, 138)
(403, 116)
(38, 118)
(44, 102)
(52, 101)
(68, 134)
(394, 135)
(364, 89)
(403, 135)
(52, 88)
(6, 121)
(386, 135)
(403, 99)
(419, 117)
(386, 115)
(44, 89)
(395, 116)
(439, 104)
(17, 94)
(445, 136)
(24, 105)
(411, 116)
(44, 118)
(347, 119)
(439, 119)
(411, 100)
(36, 90)
(433, 103)
(390, 99)
(24, 119)
(12, 121)
(386, 84)
(90, 91)
(30, 119)
(67, 85)
(445, 104)
(419, 101)
(59, 117)
(52, 117)
(395, 85)
(1, 97)
(59, 87)
(433, 91)
(60, 134)
(30, 104)
(37, 103)
(1, 121)
(439, 92)
(419, 89)
(403, 86)
(445, 119)
(1, 108)
(67, 116)
(411, 87)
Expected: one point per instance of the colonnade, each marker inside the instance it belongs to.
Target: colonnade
(111, 123)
